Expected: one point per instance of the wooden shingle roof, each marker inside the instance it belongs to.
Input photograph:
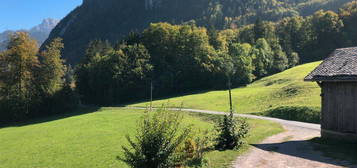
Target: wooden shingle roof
(341, 65)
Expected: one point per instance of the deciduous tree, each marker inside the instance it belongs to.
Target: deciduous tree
(20, 60)
(263, 58)
(52, 68)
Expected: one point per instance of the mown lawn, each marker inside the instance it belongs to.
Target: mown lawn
(284, 89)
(95, 140)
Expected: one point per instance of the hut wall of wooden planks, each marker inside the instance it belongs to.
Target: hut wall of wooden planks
(339, 108)
(337, 77)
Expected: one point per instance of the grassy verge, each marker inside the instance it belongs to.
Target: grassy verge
(296, 113)
(95, 139)
(283, 89)
(340, 150)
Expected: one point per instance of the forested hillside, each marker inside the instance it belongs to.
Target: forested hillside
(112, 20)
(184, 58)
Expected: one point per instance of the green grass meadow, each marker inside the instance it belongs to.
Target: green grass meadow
(95, 140)
(283, 89)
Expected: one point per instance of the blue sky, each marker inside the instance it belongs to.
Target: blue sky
(24, 14)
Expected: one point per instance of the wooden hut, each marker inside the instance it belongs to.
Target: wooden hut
(337, 77)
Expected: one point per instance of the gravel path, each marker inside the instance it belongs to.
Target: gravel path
(289, 149)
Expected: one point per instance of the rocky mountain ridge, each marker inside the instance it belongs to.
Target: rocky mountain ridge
(39, 32)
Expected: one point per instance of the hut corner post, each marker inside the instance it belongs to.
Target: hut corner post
(319, 83)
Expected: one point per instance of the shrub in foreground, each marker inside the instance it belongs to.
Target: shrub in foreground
(191, 152)
(231, 132)
(157, 140)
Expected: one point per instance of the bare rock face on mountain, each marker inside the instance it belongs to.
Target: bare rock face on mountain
(113, 19)
(39, 32)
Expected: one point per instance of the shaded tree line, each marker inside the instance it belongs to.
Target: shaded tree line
(176, 58)
(33, 83)
(111, 75)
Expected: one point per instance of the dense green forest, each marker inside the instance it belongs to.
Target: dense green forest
(176, 59)
(185, 58)
(113, 20)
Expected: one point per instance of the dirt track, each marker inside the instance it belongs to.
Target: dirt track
(290, 149)
(287, 150)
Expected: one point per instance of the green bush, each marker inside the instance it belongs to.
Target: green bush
(296, 113)
(191, 152)
(231, 132)
(156, 142)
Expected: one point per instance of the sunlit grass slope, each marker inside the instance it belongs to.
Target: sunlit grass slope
(283, 89)
(95, 140)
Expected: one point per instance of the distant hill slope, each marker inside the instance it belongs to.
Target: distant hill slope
(112, 19)
(39, 32)
(283, 89)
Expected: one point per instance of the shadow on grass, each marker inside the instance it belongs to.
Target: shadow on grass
(294, 113)
(305, 150)
(207, 117)
(79, 111)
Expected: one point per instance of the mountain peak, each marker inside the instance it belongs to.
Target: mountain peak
(47, 25)
(49, 21)
(39, 32)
